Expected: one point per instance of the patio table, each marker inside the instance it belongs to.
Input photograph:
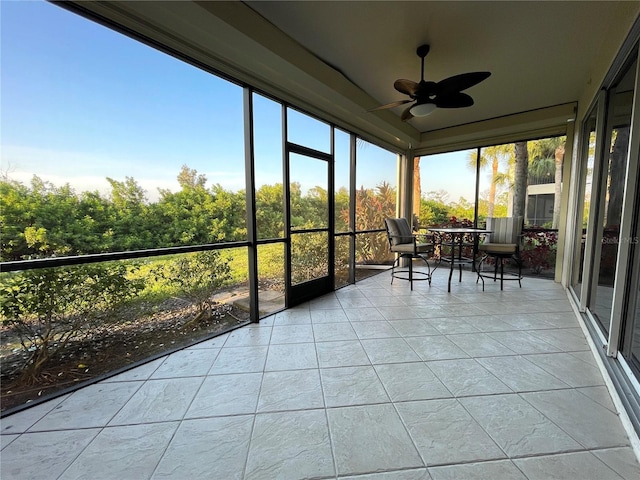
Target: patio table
(457, 240)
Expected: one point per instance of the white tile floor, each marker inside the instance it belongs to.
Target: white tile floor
(371, 382)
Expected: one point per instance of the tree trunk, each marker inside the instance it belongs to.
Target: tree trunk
(557, 192)
(520, 181)
(617, 172)
(492, 188)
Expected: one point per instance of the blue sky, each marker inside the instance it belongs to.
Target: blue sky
(81, 102)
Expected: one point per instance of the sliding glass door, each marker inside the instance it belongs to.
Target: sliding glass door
(610, 194)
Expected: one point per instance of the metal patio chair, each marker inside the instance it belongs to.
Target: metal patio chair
(407, 245)
(502, 244)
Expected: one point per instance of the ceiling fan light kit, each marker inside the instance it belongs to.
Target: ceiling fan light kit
(422, 109)
(428, 95)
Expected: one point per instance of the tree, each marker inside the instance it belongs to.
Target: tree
(184, 218)
(231, 209)
(197, 215)
(316, 206)
(558, 156)
(16, 214)
(417, 192)
(309, 256)
(342, 209)
(270, 211)
(48, 308)
(196, 277)
(617, 172)
(520, 182)
(433, 211)
(130, 224)
(546, 158)
(95, 221)
(189, 178)
(495, 156)
(127, 194)
(372, 207)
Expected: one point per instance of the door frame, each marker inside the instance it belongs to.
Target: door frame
(302, 292)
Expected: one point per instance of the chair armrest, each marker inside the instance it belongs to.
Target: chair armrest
(413, 237)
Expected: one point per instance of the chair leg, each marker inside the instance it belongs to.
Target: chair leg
(479, 271)
(428, 268)
(393, 268)
(501, 273)
(411, 272)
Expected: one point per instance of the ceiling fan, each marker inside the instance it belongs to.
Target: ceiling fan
(428, 96)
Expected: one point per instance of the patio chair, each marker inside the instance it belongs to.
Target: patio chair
(502, 244)
(405, 245)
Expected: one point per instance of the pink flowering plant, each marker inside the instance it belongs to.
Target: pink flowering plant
(539, 249)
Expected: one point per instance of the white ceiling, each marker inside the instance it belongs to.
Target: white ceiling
(540, 53)
(338, 59)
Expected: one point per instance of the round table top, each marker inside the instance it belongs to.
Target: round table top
(458, 230)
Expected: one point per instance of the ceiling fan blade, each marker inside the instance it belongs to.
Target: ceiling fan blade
(425, 96)
(390, 105)
(408, 87)
(453, 100)
(457, 83)
(406, 115)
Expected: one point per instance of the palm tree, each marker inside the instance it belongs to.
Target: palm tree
(494, 156)
(520, 178)
(541, 169)
(541, 153)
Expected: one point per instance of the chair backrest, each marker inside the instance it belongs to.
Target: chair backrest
(398, 231)
(504, 229)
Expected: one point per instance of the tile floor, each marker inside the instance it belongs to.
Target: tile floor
(373, 381)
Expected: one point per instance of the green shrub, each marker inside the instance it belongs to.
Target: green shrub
(196, 277)
(50, 307)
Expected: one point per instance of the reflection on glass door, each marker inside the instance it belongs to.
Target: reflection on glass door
(582, 212)
(610, 203)
(309, 206)
(631, 334)
(630, 342)
(633, 352)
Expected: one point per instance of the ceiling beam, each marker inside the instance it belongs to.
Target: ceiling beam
(537, 123)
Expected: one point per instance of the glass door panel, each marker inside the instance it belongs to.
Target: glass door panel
(309, 201)
(311, 265)
(631, 325)
(614, 173)
(309, 256)
(582, 220)
(634, 352)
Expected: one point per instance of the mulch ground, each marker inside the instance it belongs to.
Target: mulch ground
(101, 352)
